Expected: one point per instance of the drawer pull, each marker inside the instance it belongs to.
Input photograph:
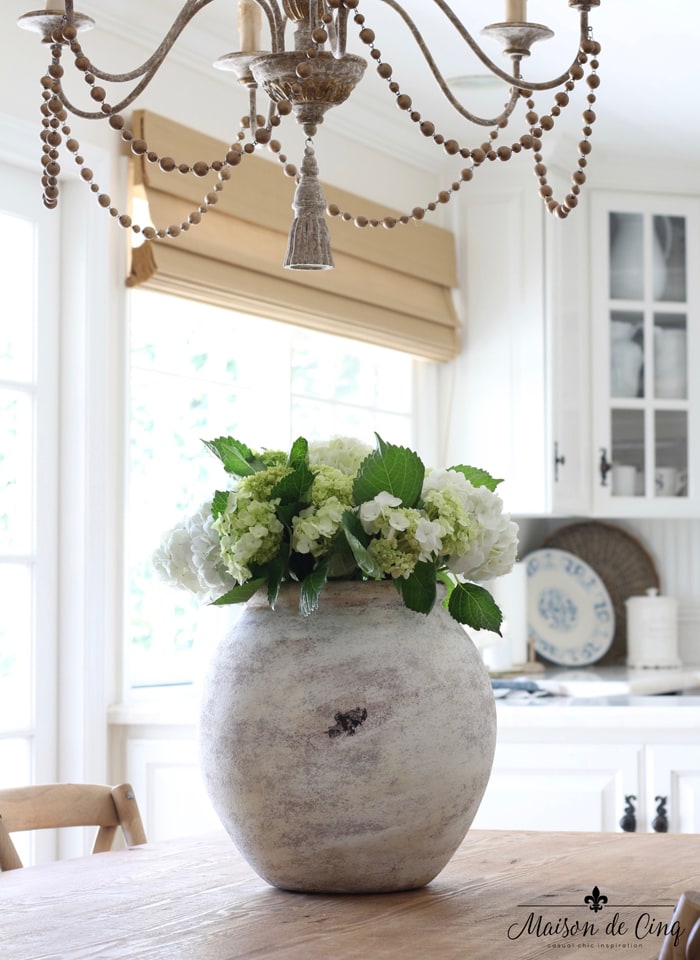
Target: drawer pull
(628, 821)
(660, 822)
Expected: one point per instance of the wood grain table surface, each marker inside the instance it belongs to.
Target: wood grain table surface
(503, 895)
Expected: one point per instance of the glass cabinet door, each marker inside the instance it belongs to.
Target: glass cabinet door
(647, 320)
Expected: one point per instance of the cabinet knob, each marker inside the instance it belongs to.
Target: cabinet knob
(660, 822)
(558, 461)
(628, 821)
(604, 466)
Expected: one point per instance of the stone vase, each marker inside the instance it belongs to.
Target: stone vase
(347, 751)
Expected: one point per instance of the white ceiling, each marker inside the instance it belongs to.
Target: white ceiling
(648, 68)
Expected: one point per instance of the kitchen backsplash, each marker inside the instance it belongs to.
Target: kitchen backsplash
(674, 546)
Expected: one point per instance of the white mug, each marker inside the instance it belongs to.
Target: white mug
(624, 480)
(668, 481)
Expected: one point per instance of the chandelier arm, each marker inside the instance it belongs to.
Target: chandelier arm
(442, 83)
(276, 23)
(513, 80)
(150, 66)
(342, 33)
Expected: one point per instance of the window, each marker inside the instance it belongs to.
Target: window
(28, 484)
(199, 372)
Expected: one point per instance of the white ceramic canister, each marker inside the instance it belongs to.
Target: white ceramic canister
(652, 631)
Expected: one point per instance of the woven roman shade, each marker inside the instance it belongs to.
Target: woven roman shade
(389, 287)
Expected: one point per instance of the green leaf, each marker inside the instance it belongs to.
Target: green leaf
(474, 606)
(276, 573)
(357, 541)
(241, 593)
(419, 591)
(294, 488)
(236, 457)
(311, 588)
(397, 470)
(219, 503)
(477, 477)
(299, 453)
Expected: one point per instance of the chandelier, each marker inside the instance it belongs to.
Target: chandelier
(306, 77)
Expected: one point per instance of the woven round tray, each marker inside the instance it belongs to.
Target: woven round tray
(620, 561)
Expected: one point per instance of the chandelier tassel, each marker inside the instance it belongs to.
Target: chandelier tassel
(309, 246)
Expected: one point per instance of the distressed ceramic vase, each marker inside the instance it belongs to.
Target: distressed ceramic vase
(347, 751)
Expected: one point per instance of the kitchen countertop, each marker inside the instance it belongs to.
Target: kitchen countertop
(609, 684)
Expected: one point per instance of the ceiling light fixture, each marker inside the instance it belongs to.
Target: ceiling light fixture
(316, 74)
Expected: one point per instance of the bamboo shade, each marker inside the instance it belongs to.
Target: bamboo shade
(389, 287)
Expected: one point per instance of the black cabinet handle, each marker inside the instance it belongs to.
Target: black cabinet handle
(628, 821)
(558, 461)
(660, 822)
(604, 466)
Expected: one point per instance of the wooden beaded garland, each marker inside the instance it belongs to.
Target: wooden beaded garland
(259, 131)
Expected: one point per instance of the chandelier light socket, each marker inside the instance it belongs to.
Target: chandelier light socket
(239, 63)
(517, 38)
(46, 21)
(584, 6)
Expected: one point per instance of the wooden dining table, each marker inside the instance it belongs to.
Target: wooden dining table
(503, 896)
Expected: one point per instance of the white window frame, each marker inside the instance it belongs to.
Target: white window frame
(91, 260)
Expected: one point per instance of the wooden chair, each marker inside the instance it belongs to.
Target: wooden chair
(49, 806)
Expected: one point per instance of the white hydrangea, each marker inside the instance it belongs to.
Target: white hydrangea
(189, 557)
(344, 453)
(480, 539)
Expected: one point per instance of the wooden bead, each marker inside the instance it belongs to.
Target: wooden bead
(167, 164)
(333, 210)
(451, 147)
(418, 213)
(403, 102)
(304, 70)
(389, 223)
(200, 169)
(149, 233)
(504, 153)
(139, 147)
(104, 200)
(384, 70)
(116, 121)
(547, 123)
(367, 36)
(98, 93)
(467, 174)
(427, 128)
(125, 221)
(361, 221)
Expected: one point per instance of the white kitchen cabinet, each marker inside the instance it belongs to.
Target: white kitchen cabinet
(645, 337)
(519, 392)
(673, 772)
(573, 768)
(546, 786)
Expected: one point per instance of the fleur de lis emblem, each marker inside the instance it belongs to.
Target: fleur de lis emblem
(595, 899)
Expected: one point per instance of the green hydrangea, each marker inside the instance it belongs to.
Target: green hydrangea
(249, 529)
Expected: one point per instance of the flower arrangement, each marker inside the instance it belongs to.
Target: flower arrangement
(342, 510)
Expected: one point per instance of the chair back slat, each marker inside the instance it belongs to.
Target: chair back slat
(54, 805)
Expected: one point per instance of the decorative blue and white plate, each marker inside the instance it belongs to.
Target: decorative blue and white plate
(571, 619)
